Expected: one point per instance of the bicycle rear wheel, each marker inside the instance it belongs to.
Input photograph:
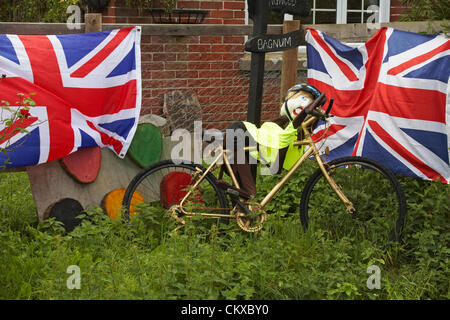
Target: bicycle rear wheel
(166, 183)
(376, 194)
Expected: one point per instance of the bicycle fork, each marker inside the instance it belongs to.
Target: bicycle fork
(336, 188)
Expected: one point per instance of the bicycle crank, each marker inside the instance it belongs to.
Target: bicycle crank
(253, 222)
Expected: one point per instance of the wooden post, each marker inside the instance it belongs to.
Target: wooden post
(260, 17)
(92, 22)
(290, 61)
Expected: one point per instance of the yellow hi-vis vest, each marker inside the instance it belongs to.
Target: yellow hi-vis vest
(271, 138)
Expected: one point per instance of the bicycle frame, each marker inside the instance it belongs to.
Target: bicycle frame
(312, 150)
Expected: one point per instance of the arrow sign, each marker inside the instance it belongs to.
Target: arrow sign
(296, 7)
(273, 43)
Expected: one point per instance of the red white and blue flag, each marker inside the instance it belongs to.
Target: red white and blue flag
(87, 89)
(392, 99)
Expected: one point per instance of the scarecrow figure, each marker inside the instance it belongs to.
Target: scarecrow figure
(273, 142)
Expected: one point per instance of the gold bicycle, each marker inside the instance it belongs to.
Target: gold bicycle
(344, 195)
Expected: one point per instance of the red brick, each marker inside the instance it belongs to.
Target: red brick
(232, 56)
(240, 116)
(230, 73)
(153, 66)
(110, 11)
(146, 39)
(164, 57)
(146, 74)
(211, 4)
(139, 20)
(240, 82)
(118, 3)
(221, 82)
(163, 39)
(188, 40)
(212, 108)
(270, 98)
(203, 83)
(228, 14)
(199, 65)
(222, 65)
(151, 101)
(186, 74)
(164, 84)
(145, 48)
(108, 19)
(221, 99)
(211, 39)
(233, 39)
(239, 14)
(199, 48)
(189, 56)
(121, 20)
(209, 92)
(175, 66)
(188, 4)
(146, 57)
(212, 57)
(126, 11)
(228, 48)
(163, 75)
(233, 21)
(234, 5)
(175, 48)
(397, 11)
(213, 21)
(210, 74)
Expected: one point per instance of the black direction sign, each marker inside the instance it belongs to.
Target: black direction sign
(273, 43)
(296, 7)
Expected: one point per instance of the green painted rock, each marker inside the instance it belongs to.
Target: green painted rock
(145, 149)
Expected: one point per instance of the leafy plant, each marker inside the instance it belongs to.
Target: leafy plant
(35, 11)
(428, 10)
(12, 120)
(140, 260)
(167, 5)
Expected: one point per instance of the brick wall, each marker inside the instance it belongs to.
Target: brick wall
(205, 65)
(397, 10)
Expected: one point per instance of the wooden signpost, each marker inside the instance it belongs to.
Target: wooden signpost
(262, 43)
(273, 42)
(296, 7)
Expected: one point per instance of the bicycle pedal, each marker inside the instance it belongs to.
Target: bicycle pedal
(238, 193)
(233, 192)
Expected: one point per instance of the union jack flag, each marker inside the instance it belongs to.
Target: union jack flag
(87, 89)
(392, 99)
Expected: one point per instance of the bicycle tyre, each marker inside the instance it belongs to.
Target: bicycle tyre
(374, 190)
(148, 183)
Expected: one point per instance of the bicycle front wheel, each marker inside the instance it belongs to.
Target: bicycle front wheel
(375, 192)
(166, 183)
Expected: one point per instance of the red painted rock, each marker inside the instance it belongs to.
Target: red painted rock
(173, 188)
(84, 164)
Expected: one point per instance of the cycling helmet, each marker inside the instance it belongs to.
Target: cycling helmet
(297, 98)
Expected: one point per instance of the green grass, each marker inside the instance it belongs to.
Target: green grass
(139, 260)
